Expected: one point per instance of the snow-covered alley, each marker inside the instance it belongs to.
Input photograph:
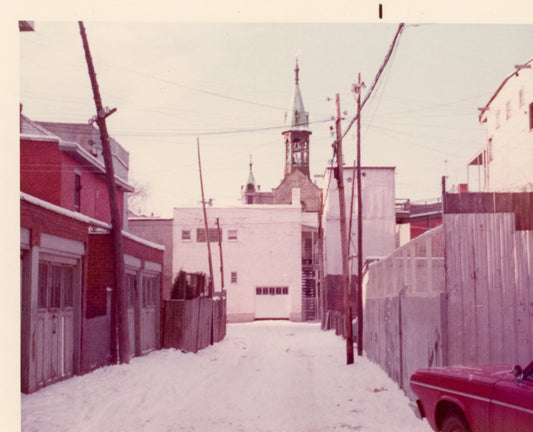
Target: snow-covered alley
(264, 376)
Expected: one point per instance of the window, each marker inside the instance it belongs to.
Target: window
(56, 286)
(150, 291)
(200, 235)
(186, 235)
(131, 286)
(233, 277)
(521, 98)
(273, 291)
(43, 286)
(68, 286)
(490, 154)
(232, 234)
(508, 110)
(77, 191)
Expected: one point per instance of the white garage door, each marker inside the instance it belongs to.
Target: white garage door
(272, 303)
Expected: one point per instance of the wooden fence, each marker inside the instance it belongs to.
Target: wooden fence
(404, 305)
(490, 289)
(191, 325)
(460, 294)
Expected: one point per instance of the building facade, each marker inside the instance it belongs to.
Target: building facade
(504, 163)
(379, 225)
(67, 272)
(260, 249)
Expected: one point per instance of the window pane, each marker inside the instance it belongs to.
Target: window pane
(278, 291)
(272, 291)
(265, 291)
(285, 290)
(155, 290)
(146, 287)
(68, 286)
(186, 234)
(200, 235)
(213, 234)
(43, 284)
(77, 192)
(131, 282)
(233, 277)
(232, 235)
(55, 288)
(258, 291)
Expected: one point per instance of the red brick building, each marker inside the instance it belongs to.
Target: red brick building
(66, 256)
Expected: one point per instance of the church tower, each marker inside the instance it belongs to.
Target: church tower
(297, 132)
(249, 189)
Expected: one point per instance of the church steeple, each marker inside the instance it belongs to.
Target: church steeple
(297, 131)
(250, 189)
(250, 184)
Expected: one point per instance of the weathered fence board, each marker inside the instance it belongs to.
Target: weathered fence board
(191, 325)
(476, 309)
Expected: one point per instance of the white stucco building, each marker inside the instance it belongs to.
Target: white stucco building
(262, 256)
(379, 224)
(505, 162)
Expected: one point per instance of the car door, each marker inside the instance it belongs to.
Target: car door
(512, 405)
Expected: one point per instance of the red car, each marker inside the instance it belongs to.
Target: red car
(495, 398)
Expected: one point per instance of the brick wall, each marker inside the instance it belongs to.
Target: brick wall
(39, 219)
(40, 170)
(101, 273)
(158, 231)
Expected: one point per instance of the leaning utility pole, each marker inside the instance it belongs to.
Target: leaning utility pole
(205, 222)
(348, 330)
(119, 318)
(359, 227)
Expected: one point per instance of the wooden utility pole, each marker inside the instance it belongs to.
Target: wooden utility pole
(359, 228)
(348, 330)
(323, 304)
(221, 256)
(119, 318)
(210, 259)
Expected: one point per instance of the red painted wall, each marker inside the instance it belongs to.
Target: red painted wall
(40, 170)
(49, 174)
(100, 256)
(420, 227)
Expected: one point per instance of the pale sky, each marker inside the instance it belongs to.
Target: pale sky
(230, 84)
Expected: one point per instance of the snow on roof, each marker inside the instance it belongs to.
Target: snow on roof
(143, 241)
(63, 211)
(84, 218)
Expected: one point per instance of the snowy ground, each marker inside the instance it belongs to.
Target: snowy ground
(265, 376)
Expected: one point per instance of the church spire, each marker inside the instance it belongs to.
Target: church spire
(296, 118)
(297, 131)
(250, 184)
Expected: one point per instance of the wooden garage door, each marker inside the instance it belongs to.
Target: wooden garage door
(54, 329)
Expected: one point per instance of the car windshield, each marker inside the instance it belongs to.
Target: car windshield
(528, 372)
